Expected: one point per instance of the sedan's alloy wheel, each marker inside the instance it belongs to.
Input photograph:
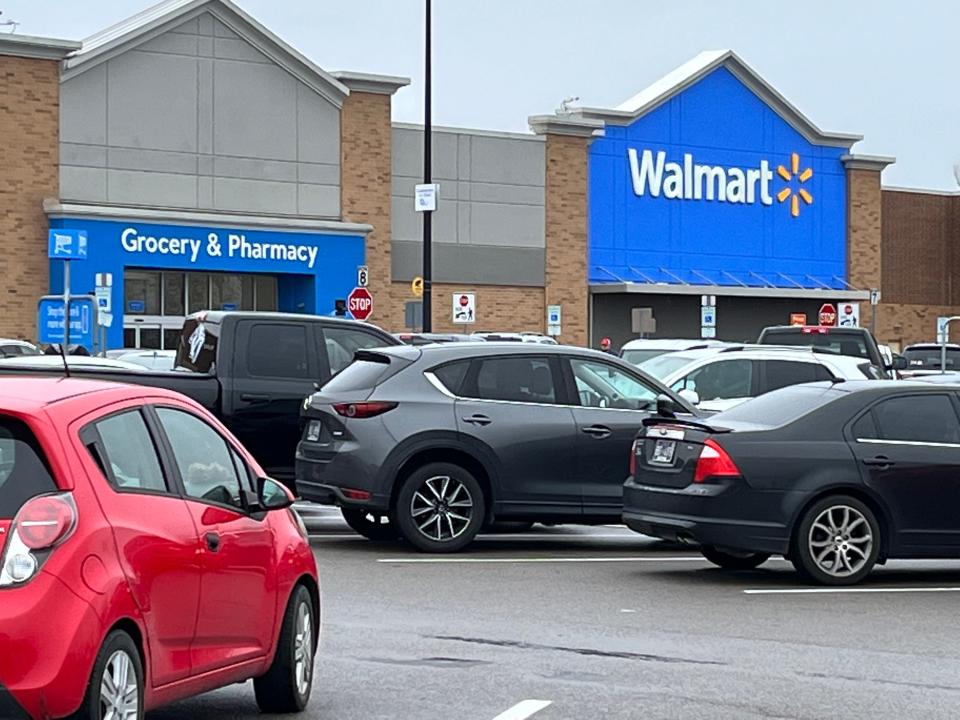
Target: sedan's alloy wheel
(119, 691)
(442, 508)
(840, 541)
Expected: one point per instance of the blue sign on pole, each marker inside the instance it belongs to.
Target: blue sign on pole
(66, 244)
(83, 320)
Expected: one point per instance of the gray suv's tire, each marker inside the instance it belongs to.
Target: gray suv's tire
(440, 508)
(378, 528)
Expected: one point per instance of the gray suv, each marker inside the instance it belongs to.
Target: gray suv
(433, 443)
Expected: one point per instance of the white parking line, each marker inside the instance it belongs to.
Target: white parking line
(523, 710)
(541, 560)
(827, 591)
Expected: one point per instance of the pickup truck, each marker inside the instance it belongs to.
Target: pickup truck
(252, 370)
(850, 341)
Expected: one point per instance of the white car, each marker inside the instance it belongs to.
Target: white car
(717, 379)
(637, 352)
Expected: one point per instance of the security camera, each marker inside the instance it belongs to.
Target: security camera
(565, 104)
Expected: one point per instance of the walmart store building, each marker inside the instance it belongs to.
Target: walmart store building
(214, 166)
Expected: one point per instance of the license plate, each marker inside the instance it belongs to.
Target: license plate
(663, 452)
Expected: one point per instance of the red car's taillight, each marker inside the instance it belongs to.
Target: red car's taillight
(44, 521)
(363, 409)
(634, 449)
(41, 524)
(714, 462)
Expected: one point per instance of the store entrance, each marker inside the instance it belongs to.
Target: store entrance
(156, 301)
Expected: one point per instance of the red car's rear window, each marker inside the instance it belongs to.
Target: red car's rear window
(24, 472)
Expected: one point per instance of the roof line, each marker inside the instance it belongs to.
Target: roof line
(691, 72)
(160, 18)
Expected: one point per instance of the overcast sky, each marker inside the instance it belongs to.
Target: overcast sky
(880, 68)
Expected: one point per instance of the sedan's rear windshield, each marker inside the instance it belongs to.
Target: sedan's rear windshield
(927, 358)
(23, 469)
(779, 407)
(838, 343)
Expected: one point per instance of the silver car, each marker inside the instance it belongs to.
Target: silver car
(434, 443)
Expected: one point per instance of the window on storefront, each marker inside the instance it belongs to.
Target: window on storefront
(157, 301)
(141, 293)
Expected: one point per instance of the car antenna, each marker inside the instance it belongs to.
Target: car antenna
(66, 365)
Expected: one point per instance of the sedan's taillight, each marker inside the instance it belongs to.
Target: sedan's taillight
(714, 462)
(634, 449)
(363, 409)
(41, 524)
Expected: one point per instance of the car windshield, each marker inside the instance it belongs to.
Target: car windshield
(837, 343)
(929, 358)
(779, 407)
(23, 470)
(638, 357)
(664, 365)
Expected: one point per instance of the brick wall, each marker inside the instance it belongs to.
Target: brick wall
(366, 164)
(864, 232)
(29, 128)
(918, 248)
(566, 234)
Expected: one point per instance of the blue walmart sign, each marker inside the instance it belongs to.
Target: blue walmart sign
(714, 187)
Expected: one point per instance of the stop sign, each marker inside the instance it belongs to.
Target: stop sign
(828, 314)
(360, 303)
(464, 301)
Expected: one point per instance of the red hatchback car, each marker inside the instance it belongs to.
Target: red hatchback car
(145, 557)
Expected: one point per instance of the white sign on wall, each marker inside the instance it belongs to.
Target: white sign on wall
(848, 315)
(464, 308)
(554, 320)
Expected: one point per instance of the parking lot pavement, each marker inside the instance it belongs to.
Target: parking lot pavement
(572, 622)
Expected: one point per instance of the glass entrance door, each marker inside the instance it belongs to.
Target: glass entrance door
(152, 333)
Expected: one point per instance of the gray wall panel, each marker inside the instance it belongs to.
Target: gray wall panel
(318, 129)
(491, 188)
(318, 199)
(90, 182)
(160, 114)
(177, 127)
(254, 196)
(471, 264)
(83, 108)
(172, 42)
(255, 169)
(128, 187)
(152, 161)
(264, 129)
(93, 156)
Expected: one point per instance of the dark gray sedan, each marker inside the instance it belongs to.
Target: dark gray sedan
(433, 443)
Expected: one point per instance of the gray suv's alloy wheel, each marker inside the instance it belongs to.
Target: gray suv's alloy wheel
(440, 508)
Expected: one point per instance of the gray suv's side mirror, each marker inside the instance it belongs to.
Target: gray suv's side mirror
(272, 495)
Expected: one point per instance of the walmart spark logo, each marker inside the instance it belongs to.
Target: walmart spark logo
(800, 177)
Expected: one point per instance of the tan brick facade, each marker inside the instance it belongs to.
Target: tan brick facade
(29, 173)
(566, 234)
(366, 141)
(864, 229)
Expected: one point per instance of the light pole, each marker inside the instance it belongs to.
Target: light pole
(427, 179)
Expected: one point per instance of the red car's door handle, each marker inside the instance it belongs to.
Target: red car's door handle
(213, 542)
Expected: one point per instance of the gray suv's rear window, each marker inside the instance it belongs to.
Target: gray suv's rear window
(23, 470)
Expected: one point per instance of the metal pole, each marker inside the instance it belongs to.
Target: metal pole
(66, 305)
(427, 179)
